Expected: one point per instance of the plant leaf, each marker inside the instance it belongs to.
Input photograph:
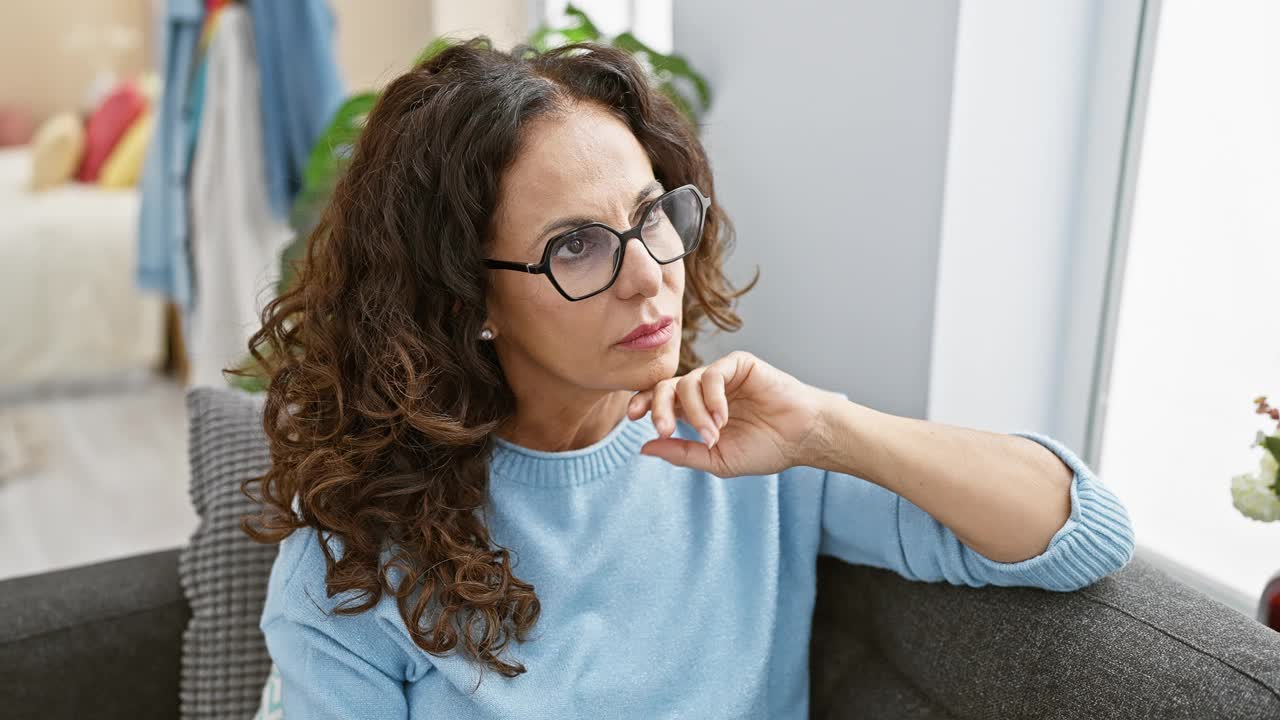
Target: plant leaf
(1272, 445)
(676, 65)
(434, 48)
(335, 144)
(579, 28)
(328, 158)
(582, 24)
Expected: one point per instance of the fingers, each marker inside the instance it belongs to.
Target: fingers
(699, 397)
(662, 404)
(682, 452)
(713, 397)
(689, 392)
(673, 398)
(639, 404)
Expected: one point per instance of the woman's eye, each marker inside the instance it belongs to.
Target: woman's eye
(573, 248)
(655, 216)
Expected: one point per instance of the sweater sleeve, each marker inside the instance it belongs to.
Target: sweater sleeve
(321, 677)
(331, 665)
(866, 524)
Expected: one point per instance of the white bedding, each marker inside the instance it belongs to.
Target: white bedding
(69, 310)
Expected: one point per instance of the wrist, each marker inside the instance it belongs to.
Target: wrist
(839, 432)
(826, 443)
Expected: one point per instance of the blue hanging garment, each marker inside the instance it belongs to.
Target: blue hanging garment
(300, 86)
(163, 262)
(300, 89)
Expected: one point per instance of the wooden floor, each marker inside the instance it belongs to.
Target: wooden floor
(113, 481)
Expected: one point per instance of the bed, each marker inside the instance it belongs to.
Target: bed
(70, 313)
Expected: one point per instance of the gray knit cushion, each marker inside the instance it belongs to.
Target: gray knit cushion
(223, 572)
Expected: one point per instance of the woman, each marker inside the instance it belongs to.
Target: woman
(488, 420)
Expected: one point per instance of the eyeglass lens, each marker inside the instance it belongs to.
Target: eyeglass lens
(584, 261)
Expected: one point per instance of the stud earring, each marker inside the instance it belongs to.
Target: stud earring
(486, 334)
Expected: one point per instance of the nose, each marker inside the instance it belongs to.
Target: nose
(640, 274)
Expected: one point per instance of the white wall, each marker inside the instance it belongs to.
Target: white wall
(1012, 179)
(378, 41)
(51, 51)
(828, 140)
(1038, 120)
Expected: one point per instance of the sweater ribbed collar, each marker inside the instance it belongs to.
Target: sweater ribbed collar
(596, 461)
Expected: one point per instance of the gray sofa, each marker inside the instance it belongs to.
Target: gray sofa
(106, 640)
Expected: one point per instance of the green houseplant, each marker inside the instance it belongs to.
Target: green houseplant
(671, 74)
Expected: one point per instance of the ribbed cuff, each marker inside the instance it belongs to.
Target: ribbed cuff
(1096, 540)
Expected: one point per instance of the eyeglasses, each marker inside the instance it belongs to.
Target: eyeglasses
(587, 259)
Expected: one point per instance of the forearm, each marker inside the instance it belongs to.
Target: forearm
(1003, 495)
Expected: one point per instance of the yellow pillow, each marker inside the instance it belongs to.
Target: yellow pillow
(123, 165)
(56, 150)
(149, 85)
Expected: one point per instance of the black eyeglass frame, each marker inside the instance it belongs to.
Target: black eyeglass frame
(543, 267)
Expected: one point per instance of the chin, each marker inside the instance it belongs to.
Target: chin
(666, 364)
(644, 375)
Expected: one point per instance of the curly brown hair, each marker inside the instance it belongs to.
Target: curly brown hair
(379, 404)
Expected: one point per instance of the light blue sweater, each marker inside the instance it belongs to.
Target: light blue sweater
(666, 592)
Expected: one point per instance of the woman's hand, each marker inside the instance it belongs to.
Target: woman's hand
(753, 418)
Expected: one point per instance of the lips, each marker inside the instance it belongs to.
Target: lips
(647, 329)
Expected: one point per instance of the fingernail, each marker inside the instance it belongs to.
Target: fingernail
(711, 435)
(718, 418)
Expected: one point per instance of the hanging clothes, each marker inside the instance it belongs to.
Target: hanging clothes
(296, 91)
(236, 238)
(301, 88)
(163, 260)
(195, 95)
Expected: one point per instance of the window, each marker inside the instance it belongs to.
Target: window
(1196, 335)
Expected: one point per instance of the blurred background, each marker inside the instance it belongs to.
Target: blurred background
(1058, 216)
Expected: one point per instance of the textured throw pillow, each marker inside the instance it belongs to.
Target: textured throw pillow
(56, 151)
(223, 572)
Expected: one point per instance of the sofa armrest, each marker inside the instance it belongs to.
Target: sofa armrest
(101, 640)
(1136, 644)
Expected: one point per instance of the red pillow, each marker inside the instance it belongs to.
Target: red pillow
(16, 126)
(108, 123)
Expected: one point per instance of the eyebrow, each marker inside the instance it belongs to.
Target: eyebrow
(576, 220)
